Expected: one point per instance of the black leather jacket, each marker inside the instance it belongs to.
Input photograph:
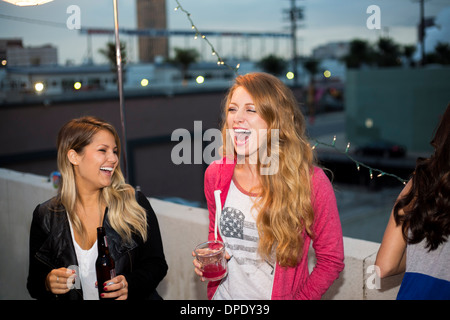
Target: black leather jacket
(142, 263)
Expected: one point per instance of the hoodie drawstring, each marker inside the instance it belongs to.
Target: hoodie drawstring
(218, 211)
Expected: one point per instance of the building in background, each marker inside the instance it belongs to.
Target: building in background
(331, 50)
(4, 45)
(151, 14)
(14, 54)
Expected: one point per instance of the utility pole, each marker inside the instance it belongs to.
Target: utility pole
(295, 13)
(422, 31)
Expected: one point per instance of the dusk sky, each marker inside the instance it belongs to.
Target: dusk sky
(325, 21)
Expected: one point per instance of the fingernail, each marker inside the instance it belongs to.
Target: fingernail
(104, 288)
(102, 295)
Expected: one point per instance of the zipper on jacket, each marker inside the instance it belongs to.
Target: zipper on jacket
(131, 260)
(48, 264)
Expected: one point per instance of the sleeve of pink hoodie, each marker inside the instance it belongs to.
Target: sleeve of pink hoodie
(327, 240)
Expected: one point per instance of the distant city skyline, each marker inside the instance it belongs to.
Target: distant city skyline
(325, 21)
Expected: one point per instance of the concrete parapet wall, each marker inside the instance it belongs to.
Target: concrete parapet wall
(182, 227)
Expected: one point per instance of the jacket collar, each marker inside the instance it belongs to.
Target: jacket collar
(117, 247)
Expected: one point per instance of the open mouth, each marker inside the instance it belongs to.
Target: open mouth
(107, 169)
(241, 136)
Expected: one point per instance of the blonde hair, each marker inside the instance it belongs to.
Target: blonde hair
(125, 215)
(285, 209)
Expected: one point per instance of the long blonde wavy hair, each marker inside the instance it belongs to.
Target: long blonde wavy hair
(125, 215)
(284, 203)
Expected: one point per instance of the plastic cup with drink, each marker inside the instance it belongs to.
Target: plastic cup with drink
(211, 256)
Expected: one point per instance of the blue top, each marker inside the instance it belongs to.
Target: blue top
(427, 275)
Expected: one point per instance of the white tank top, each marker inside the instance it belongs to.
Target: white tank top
(86, 268)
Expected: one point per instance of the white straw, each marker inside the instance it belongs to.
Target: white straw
(218, 211)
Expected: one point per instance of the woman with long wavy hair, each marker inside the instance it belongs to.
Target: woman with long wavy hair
(416, 237)
(272, 199)
(93, 194)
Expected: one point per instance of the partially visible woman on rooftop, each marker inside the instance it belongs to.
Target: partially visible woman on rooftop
(416, 237)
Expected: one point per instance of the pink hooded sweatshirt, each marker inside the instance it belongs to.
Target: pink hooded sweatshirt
(290, 283)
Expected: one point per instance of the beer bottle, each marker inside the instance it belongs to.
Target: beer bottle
(105, 266)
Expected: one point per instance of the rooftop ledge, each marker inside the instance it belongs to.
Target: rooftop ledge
(182, 227)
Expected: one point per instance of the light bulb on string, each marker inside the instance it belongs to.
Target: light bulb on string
(198, 33)
(357, 163)
(235, 69)
(348, 147)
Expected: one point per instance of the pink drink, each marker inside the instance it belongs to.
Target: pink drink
(211, 255)
(213, 272)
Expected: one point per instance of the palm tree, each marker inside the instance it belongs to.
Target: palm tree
(408, 52)
(388, 54)
(442, 52)
(183, 58)
(273, 64)
(360, 53)
(110, 54)
(312, 66)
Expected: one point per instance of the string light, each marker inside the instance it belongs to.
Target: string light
(333, 143)
(198, 33)
(380, 173)
(348, 147)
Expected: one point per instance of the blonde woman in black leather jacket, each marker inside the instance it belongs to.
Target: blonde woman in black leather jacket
(93, 193)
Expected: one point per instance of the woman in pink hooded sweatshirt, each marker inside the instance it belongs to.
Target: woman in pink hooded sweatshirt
(267, 199)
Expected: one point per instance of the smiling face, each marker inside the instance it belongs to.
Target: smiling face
(94, 166)
(246, 127)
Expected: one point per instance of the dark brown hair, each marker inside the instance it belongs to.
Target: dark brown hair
(426, 206)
